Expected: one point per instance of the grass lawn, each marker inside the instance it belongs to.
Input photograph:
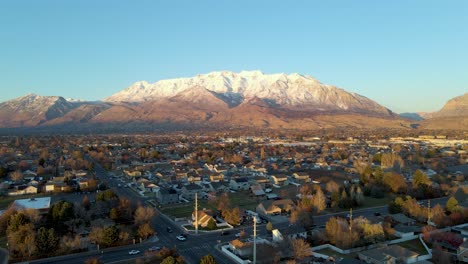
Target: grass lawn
(243, 200)
(374, 202)
(184, 210)
(368, 202)
(238, 199)
(414, 245)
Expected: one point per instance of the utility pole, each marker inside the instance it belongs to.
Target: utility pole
(255, 241)
(351, 226)
(428, 212)
(196, 213)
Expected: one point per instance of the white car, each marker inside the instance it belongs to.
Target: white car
(181, 238)
(133, 252)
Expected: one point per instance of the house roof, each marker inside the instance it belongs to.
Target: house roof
(281, 204)
(395, 251)
(401, 218)
(257, 189)
(239, 244)
(32, 203)
(193, 186)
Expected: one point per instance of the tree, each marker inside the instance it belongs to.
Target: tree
(301, 216)
(232, 216)
(22, 242)
(60, 213)
(452, 204)
(301, 249)
(114, 214)
(332, 187)
(211, 225)
(319, 201)
(207, 259)
(392, 160)
(46, 241)
(269, 227)
(143, 215)
(169, 260)
(96, 235)
(110, 235)
(222, 202)
(145, 230)
(396, 182)
(420, 178)
(85, 202)
(17, 176)
(94, 260)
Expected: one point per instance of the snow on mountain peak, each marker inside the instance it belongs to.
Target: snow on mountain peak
(293, 90)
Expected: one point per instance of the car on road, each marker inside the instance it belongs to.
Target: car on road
(181, 238)
(169, 230)
(154, 248)
(238, 234)
(133, 252)
(377, 214)
(225, 233)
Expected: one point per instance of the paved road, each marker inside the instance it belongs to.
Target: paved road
(196, 246)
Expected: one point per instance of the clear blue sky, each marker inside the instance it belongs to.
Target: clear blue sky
(406, 55)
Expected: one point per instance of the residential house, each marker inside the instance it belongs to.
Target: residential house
(462, 252)
(274, 207)
(188, 191)
(402, 219)
(257, 190)
(291, 231)
(132, 173)
(279, 179)
(240, 248)
(388, 254)
(166, 195)
(53, 186)
(22, 189)
(216, 177)
(148, 186)
(237, 184)
(263, 181)
(204, 216)
(301, 177)
(41, 204)
(405, 230)
(220, 187)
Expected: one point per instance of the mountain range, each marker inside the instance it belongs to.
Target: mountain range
(220, 100)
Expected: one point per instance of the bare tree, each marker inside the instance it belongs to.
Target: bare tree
(143, 215)
(301, 249)
(17, 176)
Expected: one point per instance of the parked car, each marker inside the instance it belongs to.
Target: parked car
(169, 230)
(154, 248)
(225, 233)
(133, 252)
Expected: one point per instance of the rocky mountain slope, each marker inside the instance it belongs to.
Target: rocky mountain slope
(453, 115)
(217, 99)
(293, 91)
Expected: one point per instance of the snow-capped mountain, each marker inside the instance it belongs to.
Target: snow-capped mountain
(249, 99)
(289, 91)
